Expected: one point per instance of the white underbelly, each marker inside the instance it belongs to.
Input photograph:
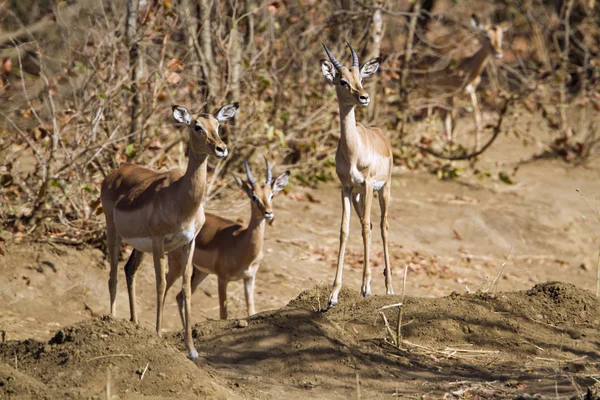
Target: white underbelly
(360, 188)
(378, 185)
(143, 244)
(172, 241)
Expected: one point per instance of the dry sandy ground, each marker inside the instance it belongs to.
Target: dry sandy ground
(452, 236)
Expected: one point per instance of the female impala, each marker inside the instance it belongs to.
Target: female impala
(363, 163)
(467, 75)
(158, 212)
(228, 250)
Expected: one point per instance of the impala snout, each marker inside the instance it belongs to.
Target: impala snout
(364, 99)
(221, 151)
(269, 215)
(499, 55)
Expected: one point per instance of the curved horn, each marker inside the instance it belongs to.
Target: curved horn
(249, 174)
(335, 62)
(354, 55)
(269, 174)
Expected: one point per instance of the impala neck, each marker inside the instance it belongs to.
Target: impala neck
(349, 140)
(193, 184)
(253, 236)
(477, 61)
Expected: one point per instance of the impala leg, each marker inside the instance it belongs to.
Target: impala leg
(477, 114)
(158, 254)
(365, 289)
(175, 269)
(344, 230)
(197, 278)
(384, 201)
(249, 293)
(223, 297)
(176, 264)
(449, 121)
(113, 244)
(186, 256)
(359, 205)
(131, 267)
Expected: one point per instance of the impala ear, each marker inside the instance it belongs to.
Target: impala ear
(226, 112)
(328, 70)
(281, 181)
(182, 115)
(369, 68)
(475, 22)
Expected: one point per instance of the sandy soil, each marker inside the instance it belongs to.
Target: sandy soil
(470, 327)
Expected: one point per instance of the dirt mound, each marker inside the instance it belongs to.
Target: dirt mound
(561, 302)
(549, 320)
(490, 345)
(17, 385)
(82, 360)
(293, 347)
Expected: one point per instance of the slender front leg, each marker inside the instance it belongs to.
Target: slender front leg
(197, 278)
(366, 234)
(344, 230)
(450, 119)
(249, 293)
(223, 297)
(186, 256)
(477, 113)
(176, 264)
(158, 254)
(131, 267)
(384, 200)
(113, 244)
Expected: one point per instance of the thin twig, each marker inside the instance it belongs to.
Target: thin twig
(476, 153)
(144, 372)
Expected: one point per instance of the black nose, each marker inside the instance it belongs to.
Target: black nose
(220, 149)
(363, 97)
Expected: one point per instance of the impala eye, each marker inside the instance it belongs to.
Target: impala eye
(197, 128)
(254, 197)
(344, 83)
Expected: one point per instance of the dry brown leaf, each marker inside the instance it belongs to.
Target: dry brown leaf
(175, 64)
(172, 77)
(155, 144)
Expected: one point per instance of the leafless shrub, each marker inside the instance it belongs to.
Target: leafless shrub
(70, 87)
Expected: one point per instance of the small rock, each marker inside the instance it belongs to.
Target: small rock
(162, 375)
(574, 367)
(242, 323)
(575, 334)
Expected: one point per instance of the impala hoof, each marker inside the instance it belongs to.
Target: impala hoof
(193, 354)
(331, 304)
(365, 292)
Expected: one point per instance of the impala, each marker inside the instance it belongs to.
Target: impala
(468, 74)
(229, 250)
(158, 212)
(363, 165)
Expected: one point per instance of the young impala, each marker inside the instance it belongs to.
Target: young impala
(363, 164)
(158, 212)
(467, 75)
(227, 249)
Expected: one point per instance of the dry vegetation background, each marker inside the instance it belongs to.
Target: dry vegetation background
(89, 84)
